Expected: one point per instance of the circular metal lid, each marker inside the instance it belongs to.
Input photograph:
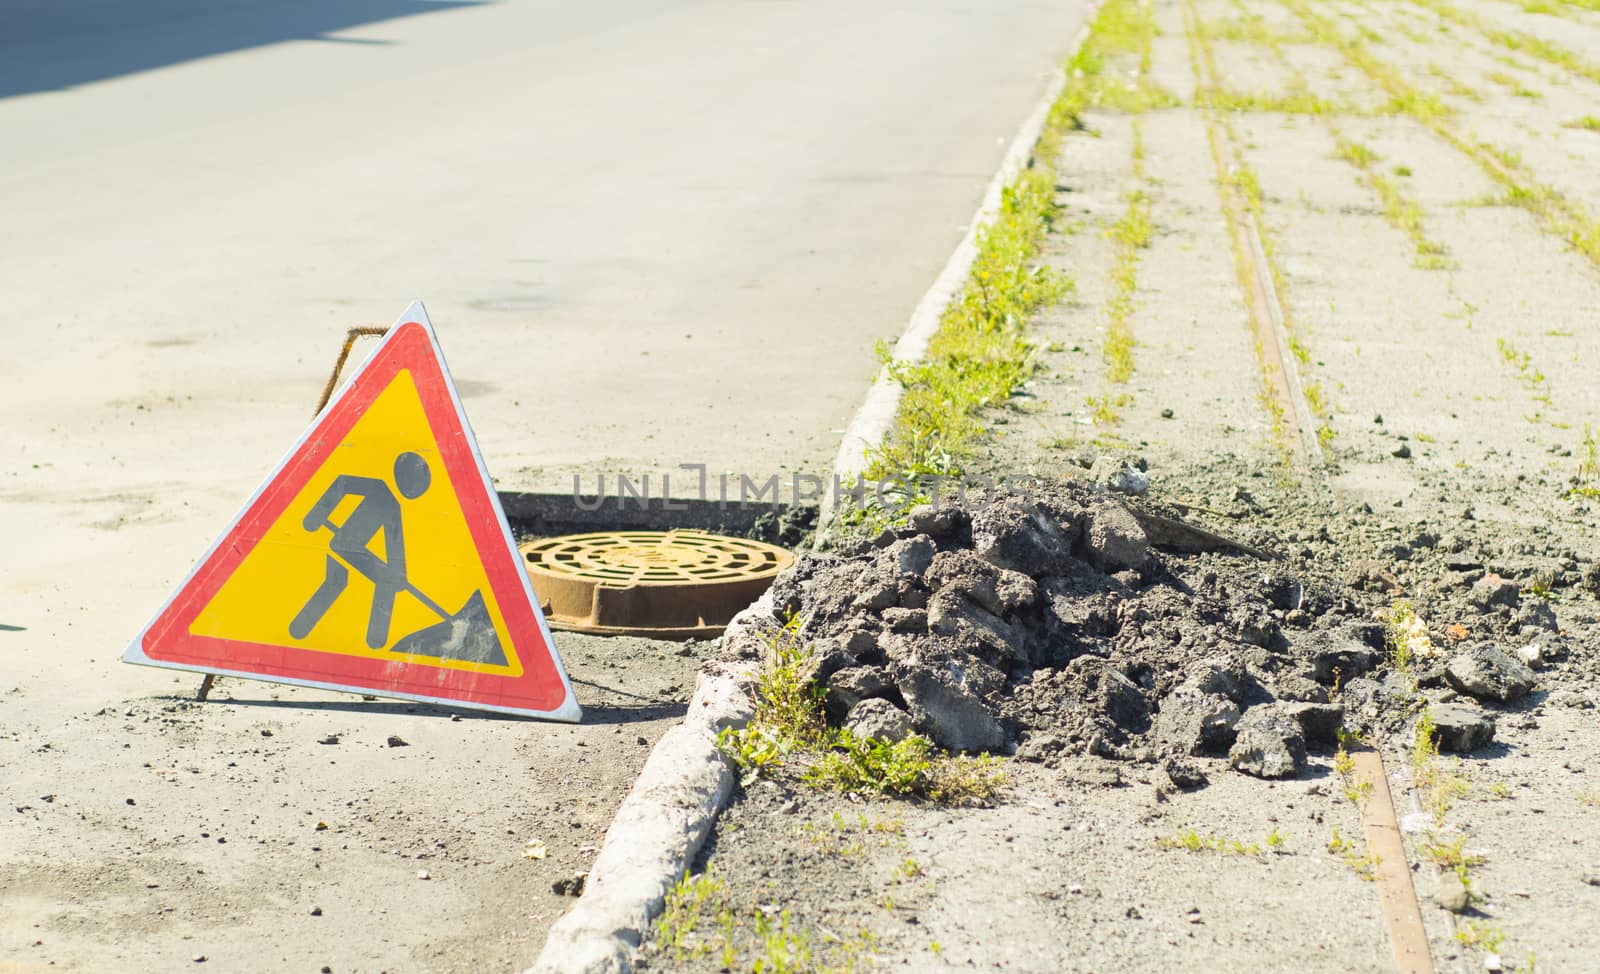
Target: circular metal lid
(663, 584)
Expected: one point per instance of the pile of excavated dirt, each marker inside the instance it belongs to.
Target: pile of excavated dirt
(1072, 620)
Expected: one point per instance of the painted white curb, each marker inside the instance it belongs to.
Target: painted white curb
(662, 822)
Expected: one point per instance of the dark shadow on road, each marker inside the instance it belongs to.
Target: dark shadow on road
(649, 708)
(633, 715)
(611, 690)
(6, 628)
(592, 713)
(47, 45)
(357, 706)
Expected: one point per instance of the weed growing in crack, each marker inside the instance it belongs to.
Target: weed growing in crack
(1356, 154)
(696, 920)
(1512, 85)
(1587, 123)
(1509, 158)
(784, 947)
(863, 765)
(1131, 234)
(1532, 378)
(909, 869)
(852, 840)
(699, 922)
(1270, 404)
(1425, 743)
(1356, 791)
(788, 712)
(1320, 408)
(1499, 791)
(1420, 105)
(1133, 230)
(1107, 410)
(1296, 101)
(1541, 587)
(1557, 8)
(1453, 86)
(979, 357)
(1250, 29)
(1110, 71)
(1587, 484)
(1438, 786)
(1453, 856)
(1404, 213)
(1188, 840)
(1363, 864)
(1481, 935)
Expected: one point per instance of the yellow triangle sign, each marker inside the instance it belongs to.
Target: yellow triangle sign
(375, 558)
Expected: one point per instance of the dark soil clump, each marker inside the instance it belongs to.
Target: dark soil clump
(1049, 625)
(1052, 623)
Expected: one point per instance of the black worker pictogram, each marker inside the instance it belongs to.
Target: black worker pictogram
(467, 634)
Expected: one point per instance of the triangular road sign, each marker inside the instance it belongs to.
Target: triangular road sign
(375, 558)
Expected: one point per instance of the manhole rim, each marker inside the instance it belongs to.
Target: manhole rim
(677, 583)
(780, 558)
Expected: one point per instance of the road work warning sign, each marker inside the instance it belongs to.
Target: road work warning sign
(375, 558)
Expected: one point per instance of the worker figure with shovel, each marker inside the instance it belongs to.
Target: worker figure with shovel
(378, 511)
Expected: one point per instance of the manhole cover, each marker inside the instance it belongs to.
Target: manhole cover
(663, 584)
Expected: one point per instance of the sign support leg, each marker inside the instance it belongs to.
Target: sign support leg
(322, 403)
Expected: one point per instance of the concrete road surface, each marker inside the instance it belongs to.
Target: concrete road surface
(651, 232)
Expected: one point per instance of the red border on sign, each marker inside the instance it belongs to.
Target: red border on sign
(540, 687)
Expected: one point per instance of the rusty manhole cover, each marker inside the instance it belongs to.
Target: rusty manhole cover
(662, 584)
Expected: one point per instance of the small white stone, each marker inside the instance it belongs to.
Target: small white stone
(1533, 655)
(1120, 477)
(1417, 822)
(1451, 894)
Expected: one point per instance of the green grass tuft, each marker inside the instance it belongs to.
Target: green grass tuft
(788, 725)
(979, 357)
(1188, 840)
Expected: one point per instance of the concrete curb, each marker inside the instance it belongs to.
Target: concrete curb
(662, 822)
(872, 421)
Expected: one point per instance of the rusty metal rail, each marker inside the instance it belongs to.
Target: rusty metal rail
(1397, 896)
